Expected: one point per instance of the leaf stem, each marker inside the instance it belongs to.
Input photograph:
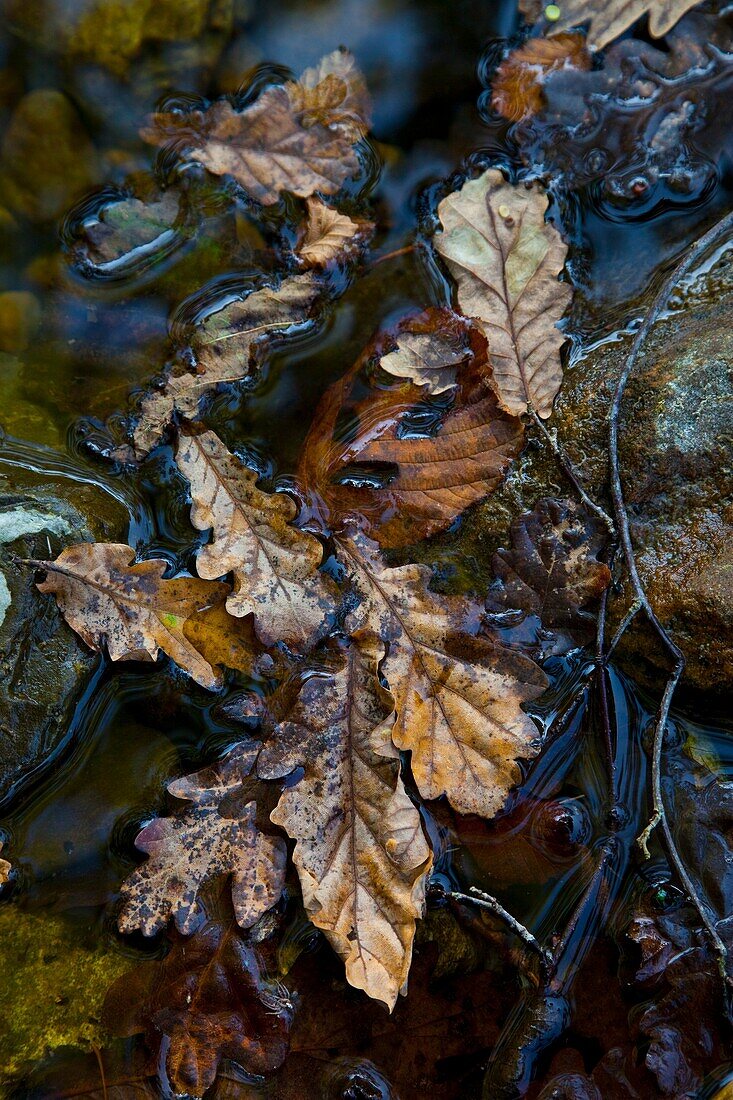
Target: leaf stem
(564, 462)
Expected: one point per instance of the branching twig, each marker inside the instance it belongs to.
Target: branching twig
(659, 817)
(564, 462)
(487, 901)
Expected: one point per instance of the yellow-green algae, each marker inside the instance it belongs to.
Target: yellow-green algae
(52, 988)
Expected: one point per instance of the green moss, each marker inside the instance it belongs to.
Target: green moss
(52, 988)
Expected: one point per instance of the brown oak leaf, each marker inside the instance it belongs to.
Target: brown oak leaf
(298, 137)
(552, 569)
(216, 835)
(458, 693)
(275, 566)
(516, 90)
(505, 259)
(610, 18)
(225, 346)
(408, 485)
(330, 235)
(205, 1001)
(5, 868)
(128, 607)
(360, 850)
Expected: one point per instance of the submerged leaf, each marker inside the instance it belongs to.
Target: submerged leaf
(610, 18)
(424, 480)
(517, 87)
(330, 235)
(458, 694)
(225, 347)
(123, 227)
(506, 259)
(298, 137)
(275, 566)
(215, 836)
(552, 569)
(360, 851)
(429, 358)
(207, 1000)
(111, 600)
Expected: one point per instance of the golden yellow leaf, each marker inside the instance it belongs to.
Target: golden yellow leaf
(505, 259)
(214, 836)
(275, 566)
(330, 235)
(225, 345)
(109, 600)
(610, 18)
(298, 137)
(458, 693)
(360, 851)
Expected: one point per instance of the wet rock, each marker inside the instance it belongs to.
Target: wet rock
(677, 468)
(47, 158)
(112, 32)
(43, 667)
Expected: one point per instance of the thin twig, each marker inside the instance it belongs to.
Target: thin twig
(487, 901)
(659, 817)
(393, 255)
(563, 460)
(601, 661)
(623, 626)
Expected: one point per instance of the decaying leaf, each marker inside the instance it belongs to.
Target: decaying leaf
(205, 1001)
(128, 225)
(5, 868)
(330, 235)
(214, 836)
(429, 358)
(505, 259)
(225, 346)
(111, 600)
(516, 90)
(408, 483)
(298, 137)
(552, 569)
(458, 694)
(360, 851)
(223, 640)
(275, 566)
(610, 18)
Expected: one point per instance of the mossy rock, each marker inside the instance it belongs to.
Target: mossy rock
(52, 990)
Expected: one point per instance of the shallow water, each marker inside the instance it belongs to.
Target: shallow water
(63, 393)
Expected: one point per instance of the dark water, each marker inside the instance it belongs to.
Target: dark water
(63, 391)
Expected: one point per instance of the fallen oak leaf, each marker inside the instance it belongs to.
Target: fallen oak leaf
(433, 478)
(330, 235)
(207, 1000)
(298, 137)
(215, 836)
(225, 346)
(610, 18)
(516, 89)
(5, 868)
(430, 358)
(129, 607)
(458, 693)
(275, 566)
(360, 850)
(552, 569)
(505, 259)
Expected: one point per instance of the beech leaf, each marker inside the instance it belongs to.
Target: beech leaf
(330, 235)
(360, 851)
(298, 137)
(610, 18)
(552, 569)
(516, 90)
(207, 1000)
(426, 359)
(111, 600)
(458, 693)
(275, 566)
(505, 259)
(215, 835)
(225, 345)
(430, 478)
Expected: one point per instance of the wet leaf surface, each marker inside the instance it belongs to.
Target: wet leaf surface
(608, 19)
(330, 235)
